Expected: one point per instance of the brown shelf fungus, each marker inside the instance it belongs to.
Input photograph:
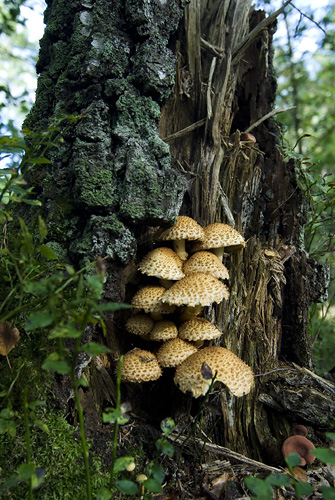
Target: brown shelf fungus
(184, 229)
(230, 369)
(140, 324)
(163, 263)
(164, 330)
(220, 238)
(198, 329)
(148, 300)
(173, 352)
(206, 262)
(195, 291)
(140, 366)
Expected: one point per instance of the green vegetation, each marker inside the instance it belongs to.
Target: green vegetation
(306, 81)
(263, 488)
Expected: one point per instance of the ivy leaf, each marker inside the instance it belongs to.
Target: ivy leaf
(325, 455)
(122, 463)
(39, 319)
(127, 487)
(152, 485)
(47, 252)
(304, 488)
(94, 349)
(259, 487)
(293, 460)
(167, 425)
(278, 479)
(56, 364)
(9, 337)
(328, 493)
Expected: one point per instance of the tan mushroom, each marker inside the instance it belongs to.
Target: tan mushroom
(164, 264)
(164, 330)
(173, 352)
(140, 366)
(148, 299)
(206, 262)
(198, 329)
(231, 371)
(220, 238)
(195, 291)
(140, 324)
(184, 229)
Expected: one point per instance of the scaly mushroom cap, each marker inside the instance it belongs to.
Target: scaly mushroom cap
(302, 446)
(164, 330)
(148, 299)
(231, 371)
(163, 263)
(173, 352)
(206, 262)
(139, 324)
(196, 289)
(185, 228)
(220, 235)
(198, 329)
(140, 366)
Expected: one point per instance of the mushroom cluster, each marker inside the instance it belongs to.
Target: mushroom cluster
(169, 311)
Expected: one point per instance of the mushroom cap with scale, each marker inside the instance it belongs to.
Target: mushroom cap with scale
(206, 262)
(220, 238)
(198, 329)
(163, 263)
(230, 369)
(184, 229)
(139, 366)
(148, 299)
(175, 351)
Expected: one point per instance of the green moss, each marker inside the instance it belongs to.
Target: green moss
(59, 453)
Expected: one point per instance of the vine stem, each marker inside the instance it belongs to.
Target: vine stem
(116, 423)
(27, 437)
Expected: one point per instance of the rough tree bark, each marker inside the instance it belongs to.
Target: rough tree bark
(161, 87)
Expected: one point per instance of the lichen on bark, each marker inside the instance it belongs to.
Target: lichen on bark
(109, 65)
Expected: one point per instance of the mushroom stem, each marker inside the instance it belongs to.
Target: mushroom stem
(179, 248)
(190, 312)
(166, 283)
(218, 252)
(156, 316)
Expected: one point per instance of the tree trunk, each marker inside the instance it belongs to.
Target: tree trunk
(117, 175)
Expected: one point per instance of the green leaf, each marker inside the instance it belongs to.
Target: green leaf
(328, 493)
(127, 487)
(39, 319)
(25, 471)
(167, 425)
(111, 306)
(152, 485)
(331, 435)
(258, 487)
(104, 494)
(293, 460)
(47, 252)
(325, 455)
(156, 471)
(41, 425)
(38, 160)
(94, 349)
(122, 463)
(165, 447)
(54, 363)
(42, 229)
(304, 488)
(278, 479)
(64, 332)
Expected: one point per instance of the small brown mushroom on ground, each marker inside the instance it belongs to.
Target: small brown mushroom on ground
(206, 262)
(198, 329)
(163, 263)
(230, 369)
(195, 291)
(140, 366)
(173, 352)
(220, 238)
(300, 445)
(164, 330)
(148, 299)
(184, 229)
(140, 324)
